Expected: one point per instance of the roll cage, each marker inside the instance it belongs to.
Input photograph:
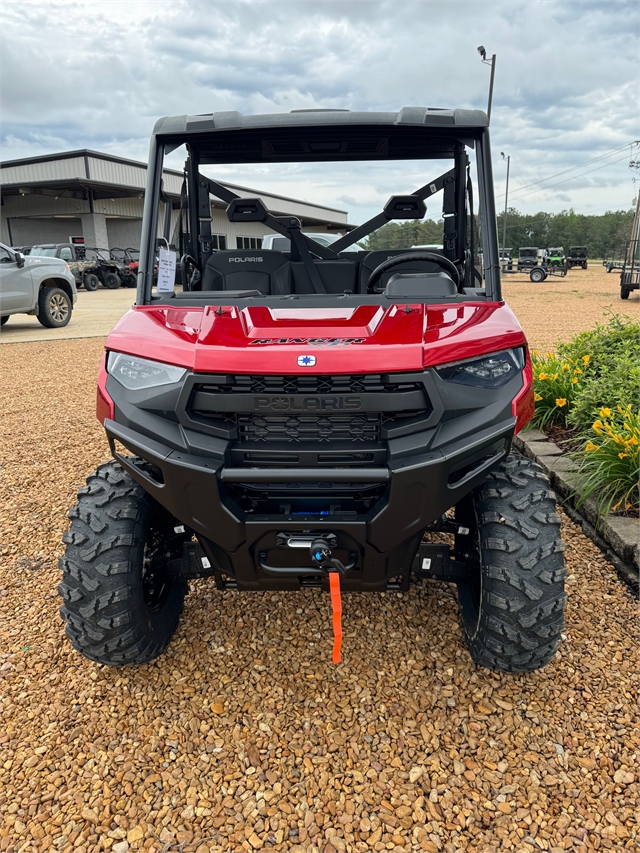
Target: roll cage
(324, 136)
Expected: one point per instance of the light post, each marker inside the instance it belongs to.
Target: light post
(506, 198)
(492, 63)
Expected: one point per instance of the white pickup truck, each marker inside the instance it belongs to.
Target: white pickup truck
(45, 287)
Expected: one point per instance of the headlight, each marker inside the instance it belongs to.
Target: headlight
(138, 373)
(490, 371)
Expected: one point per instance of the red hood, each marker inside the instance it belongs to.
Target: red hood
(362, 339)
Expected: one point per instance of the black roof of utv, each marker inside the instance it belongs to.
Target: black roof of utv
(233, 120)
(322, 135)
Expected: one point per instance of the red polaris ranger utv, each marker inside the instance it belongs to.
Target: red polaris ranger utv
(284, 420)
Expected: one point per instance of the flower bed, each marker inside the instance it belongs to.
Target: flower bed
(587, 393)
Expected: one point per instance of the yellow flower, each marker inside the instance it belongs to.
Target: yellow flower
(577, 371)
(620, 409)
(537, 397)
(555, 375)
(590, 446)
(536, 352)
(560, 401)
(616, 506)
(633, 440)
(543, 376)
(586, 359)
(605, 412)
(566, 367)
(622, 455)
(574, 381)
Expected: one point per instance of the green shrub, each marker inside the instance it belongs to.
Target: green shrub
(597, 368)
(557, 383)
(609, 461)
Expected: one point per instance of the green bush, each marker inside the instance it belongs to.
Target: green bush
(609, 462)
(596, 369)
(592, 385)
(557, 383)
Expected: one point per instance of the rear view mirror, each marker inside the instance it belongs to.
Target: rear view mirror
(19, 260)
(405, 207)
(247, 210)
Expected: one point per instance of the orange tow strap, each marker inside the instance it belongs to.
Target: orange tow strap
(336, 606)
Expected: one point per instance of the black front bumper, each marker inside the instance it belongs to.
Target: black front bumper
(380, 544)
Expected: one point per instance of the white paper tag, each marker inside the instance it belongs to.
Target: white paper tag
(433, 188)
(426, 564)
(166, 270)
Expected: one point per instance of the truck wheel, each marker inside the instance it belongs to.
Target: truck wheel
(624, 293)
(537, 275)
(584, 265)
(91, 281)
(54, 307)
(512, 613)
(4, 319)
(120, 604)
(112, 280)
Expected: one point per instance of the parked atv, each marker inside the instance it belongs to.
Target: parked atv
(555, 258)
(312, 417)
(127, 266)
(577, 257)
(82, 262)
(527, 258)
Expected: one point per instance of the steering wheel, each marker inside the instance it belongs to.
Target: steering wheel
(186, 260)
(447, 265)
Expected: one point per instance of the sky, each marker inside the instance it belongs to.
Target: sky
(95, 74)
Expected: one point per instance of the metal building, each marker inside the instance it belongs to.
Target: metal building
(98, 197)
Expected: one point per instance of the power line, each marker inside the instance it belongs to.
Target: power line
(579, 166)
(579, 175)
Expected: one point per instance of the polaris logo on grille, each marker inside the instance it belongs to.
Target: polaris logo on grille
(312, 342)
(306, 404)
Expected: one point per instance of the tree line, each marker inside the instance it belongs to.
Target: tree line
(604, 234)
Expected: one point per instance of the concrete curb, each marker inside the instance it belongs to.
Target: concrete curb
(616, 536)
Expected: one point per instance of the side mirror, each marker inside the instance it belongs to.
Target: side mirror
(19, 260)
(247, 210)
(405, 207)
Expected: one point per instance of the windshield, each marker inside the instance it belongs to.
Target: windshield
(528, 253)
(224, 236)
(44, 251)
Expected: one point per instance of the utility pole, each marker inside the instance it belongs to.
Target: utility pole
(492, 63)
(506, 197)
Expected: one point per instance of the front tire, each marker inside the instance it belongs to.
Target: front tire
(91, 282)
(537, 275)
(624, 293)
(121, 605)
(112, 280)
(512, 612)
(54, 308)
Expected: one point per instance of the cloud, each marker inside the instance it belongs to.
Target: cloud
(98, 73)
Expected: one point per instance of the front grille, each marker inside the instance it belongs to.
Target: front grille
(370, 383)
(309, 410)
(327, 428)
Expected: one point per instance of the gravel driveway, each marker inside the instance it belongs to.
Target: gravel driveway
(243, 736)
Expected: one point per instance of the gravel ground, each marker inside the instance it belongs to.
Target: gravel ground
(560, 307)
(243, 736)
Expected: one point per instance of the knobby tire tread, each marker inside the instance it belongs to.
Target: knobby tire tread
(106, 618)
(518, 623)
